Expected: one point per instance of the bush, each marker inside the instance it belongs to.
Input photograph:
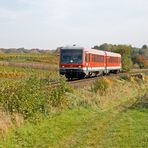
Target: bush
(125, 52)
(32, 96)
(8, 95)
(100, 85)
(126, 63)
(25, 97)
(58, 93)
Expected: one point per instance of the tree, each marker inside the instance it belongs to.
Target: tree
(142, 61)
(105, 47)
(144, 47)
(134, 54)
(143, 51)
(125, 52)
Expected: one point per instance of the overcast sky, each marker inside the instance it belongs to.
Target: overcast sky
(53, 23)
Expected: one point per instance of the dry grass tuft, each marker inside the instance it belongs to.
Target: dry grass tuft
(5, 122)
(8, 121)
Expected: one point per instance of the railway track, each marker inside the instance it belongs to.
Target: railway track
(88, 81)
(80, 83)
(77, 83)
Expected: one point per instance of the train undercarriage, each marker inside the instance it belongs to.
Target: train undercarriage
(80, 74)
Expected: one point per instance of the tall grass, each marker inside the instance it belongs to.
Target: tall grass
(116, 92)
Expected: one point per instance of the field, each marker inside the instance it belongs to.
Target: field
(111, 112)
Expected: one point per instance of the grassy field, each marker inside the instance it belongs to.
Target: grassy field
(112, 112)
(47, 61)
(30, 57)
(23, 65)
(84, 127)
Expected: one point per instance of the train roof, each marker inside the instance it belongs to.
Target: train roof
(72, 47)
(93, 51)
(102, 52)
(113, 54)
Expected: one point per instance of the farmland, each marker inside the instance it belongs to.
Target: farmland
(36, 114)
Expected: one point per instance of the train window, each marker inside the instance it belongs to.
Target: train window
(71, 56)
(93, 58)
(101, 58)
(119, 60)
(113, 60)
(87, 57)
(97, 58)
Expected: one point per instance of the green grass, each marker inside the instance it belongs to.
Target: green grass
(52, 132)
(128, 131)
(83, 127)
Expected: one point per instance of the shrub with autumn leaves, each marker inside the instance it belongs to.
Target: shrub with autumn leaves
(142, 61)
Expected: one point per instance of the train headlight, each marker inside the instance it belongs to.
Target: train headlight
(63, 66)
(80, 66)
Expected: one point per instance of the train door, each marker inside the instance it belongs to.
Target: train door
(87, 62)
(106, 63)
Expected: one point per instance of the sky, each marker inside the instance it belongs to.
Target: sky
(48, 24)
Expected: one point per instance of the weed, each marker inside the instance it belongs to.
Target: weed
(124, 77)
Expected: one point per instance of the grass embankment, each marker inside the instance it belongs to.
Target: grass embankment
(116, 117)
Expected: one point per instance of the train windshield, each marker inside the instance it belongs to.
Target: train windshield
(71, 56)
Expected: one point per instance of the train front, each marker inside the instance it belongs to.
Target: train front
(71, 62)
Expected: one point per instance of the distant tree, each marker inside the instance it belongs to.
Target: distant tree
(134, 54)
(105, 47)
(96, 47)
(125, 52)
(143, 51)
(144, 46)
(123, 49)
(34, 50)
(140, 56)
(21, 50)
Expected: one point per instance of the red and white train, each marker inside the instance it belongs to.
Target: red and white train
(80, 62)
